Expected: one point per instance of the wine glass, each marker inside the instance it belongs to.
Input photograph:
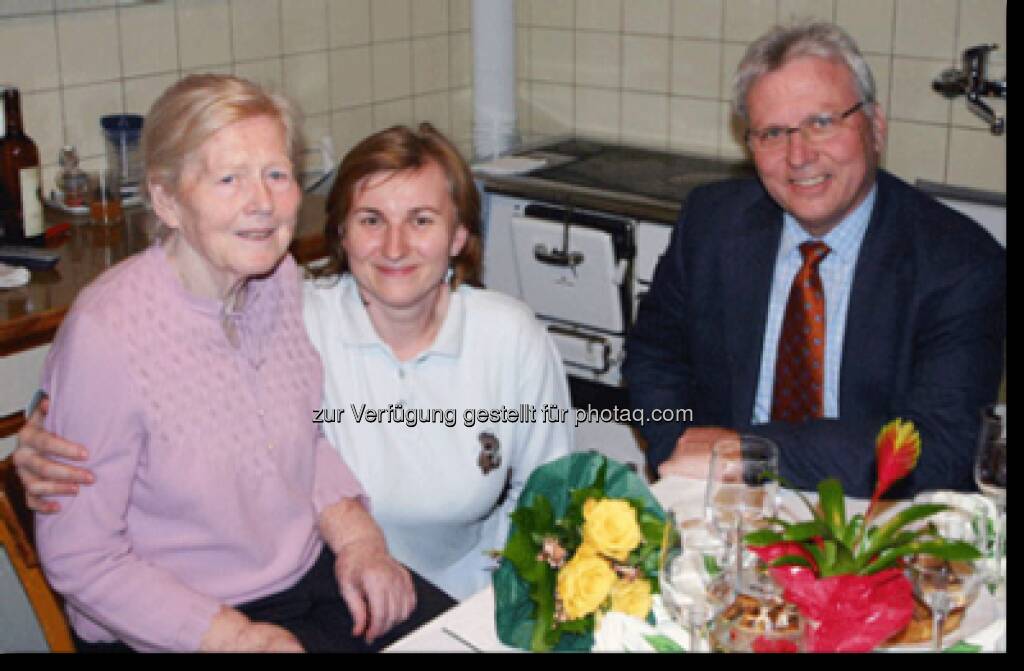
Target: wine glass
(684, 576)
(742, 490)
(990, 475)
(944, 585)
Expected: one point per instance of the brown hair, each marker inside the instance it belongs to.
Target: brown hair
(192, 110)
(401, 148)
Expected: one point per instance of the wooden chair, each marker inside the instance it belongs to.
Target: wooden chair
(16, 539)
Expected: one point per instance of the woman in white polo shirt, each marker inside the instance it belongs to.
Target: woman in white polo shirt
(435, 389)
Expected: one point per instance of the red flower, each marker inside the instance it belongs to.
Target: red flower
(896, 449)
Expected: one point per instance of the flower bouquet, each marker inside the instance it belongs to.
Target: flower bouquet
(584, 540)
(846, 576)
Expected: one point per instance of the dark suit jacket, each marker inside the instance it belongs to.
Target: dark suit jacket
(924, 334)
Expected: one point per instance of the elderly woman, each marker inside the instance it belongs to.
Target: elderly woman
(413, 351)
(223, 520)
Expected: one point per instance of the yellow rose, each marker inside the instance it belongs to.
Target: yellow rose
(583, 585)
(610, 526)
(632, 597)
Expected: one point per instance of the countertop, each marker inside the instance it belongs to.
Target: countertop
(30, 315)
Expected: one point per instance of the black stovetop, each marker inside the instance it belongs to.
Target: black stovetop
(630, 170)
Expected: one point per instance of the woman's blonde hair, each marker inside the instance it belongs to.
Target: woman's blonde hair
(195, 108)
(401, 148)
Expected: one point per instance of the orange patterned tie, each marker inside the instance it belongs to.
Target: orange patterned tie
(800, 362)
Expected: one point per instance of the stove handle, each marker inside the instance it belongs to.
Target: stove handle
(557, 257)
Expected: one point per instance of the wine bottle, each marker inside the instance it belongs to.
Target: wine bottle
(20, 208)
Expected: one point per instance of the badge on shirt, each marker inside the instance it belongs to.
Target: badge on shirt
(490, 452)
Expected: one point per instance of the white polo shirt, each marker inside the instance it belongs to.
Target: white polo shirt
(436, 505)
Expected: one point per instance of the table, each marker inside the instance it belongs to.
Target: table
(469, 626)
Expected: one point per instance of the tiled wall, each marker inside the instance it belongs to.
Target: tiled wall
(658, 72)
(354, 66)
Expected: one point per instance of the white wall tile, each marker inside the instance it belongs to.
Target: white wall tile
(255, 29)
(730, 134)
(645, 119)
(697, 18)
(350, 126)
(459, 15)
(349, 23)
(89, 47)
(392, 70)
(649, 17)
(429, 17)
(977, 159)
(204, 33)
(435, 108)
(83, 107)
(41, 114)
(307, 81)
(268, 73)
(746, 20)
(916, 151)
(869, 23)
(303, 26)
(551, 55)
(25, 7)
(604, 15)
(552, 13)
(351, 77)
(430, 64)
(732, 54)
(551, 110)
(694, 125)
(390, 19)
(799, 10)
(696, 67)
(141, 92)
(983, 22)
(925, 28)
(392, 113)
(645, 63)
(523, 52)
(461, 108)
(149, 40)
(598, 112)
(598, 59)
(28, 52)
(461, 54)
(912, 97)
(314, 128)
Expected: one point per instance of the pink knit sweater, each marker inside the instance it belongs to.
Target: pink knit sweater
(210, 473)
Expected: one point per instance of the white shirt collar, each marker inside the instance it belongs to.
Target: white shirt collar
(843, 240)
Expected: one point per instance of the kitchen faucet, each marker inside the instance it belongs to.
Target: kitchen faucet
(972, 82)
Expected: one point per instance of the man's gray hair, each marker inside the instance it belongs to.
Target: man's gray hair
(784, 43)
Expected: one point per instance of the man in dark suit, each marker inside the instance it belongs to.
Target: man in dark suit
(816, 303)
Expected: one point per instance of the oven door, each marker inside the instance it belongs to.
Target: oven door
(575, 267)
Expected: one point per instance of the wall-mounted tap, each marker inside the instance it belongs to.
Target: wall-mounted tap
(972, 82)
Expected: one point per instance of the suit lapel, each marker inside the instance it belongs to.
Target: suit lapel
(881, 291)
(748, 264)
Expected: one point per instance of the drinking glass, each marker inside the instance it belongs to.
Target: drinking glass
(990, 476)
(691, 552)
(944, 585)
(742, 490)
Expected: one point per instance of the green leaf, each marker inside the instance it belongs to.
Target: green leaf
(964, 646)
(829, 551)
(542, 592)
(882, 536)
(762, 537)
(804, 531)
(711, 566)
(792, 560)
(852, 531)
(662, 643)
(833, 506)
(948, 550)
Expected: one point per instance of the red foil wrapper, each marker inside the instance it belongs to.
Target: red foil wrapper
(846, 613)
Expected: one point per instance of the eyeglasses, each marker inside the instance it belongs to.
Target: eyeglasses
(814, 129)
